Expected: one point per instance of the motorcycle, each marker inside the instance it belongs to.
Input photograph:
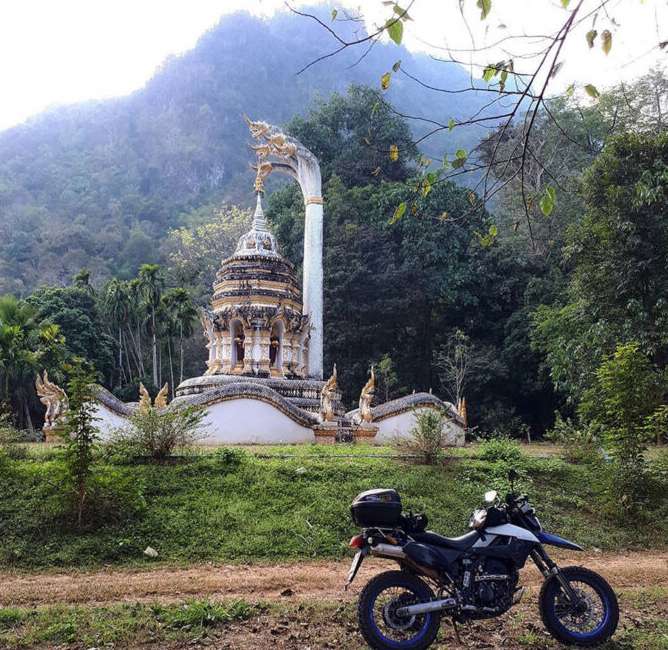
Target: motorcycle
(471, 577)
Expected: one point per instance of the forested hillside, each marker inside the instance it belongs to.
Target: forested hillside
(99, 184)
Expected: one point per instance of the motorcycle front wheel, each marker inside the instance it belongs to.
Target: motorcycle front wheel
(379, 623)
(589, 621)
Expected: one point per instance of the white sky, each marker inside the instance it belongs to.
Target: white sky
(63, 51)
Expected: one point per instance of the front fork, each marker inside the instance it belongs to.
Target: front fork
(549, 569)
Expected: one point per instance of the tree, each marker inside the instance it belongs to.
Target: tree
(26, 347)
(181, 310)
(195, 251)
(387, 377)
(626, 391)
(519, 85)
(80, 435)
(617, 288)
(115, 308)
(151, 284)
(74, 310)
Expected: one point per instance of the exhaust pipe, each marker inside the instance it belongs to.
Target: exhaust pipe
(424, 608)
(388, 550)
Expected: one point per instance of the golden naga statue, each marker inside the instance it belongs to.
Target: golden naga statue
(54, 398)
(366, 397)
(263, 169)
(258, 129)
(160, 401)
(327, 398)
(145, 399)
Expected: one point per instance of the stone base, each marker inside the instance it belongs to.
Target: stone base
(325, 433)
(365, 432)
(52, 435)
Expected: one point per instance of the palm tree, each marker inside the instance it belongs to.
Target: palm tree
(115, 307)
(151, 284)
(181, 309)
(25, 347)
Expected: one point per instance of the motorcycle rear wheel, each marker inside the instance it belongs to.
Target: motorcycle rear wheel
(380, 626)
(590, 624)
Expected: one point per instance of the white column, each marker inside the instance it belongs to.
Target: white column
(313, 286)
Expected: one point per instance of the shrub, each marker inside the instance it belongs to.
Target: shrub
(10, 439)
(205, 613)
(500, 449)
(157, 433)
(426, 438)
(626, 392)
(580, 444)
(230, 458)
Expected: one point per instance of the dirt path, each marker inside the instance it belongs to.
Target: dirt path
(322, 579)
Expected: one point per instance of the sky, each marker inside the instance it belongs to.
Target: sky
(59, 52)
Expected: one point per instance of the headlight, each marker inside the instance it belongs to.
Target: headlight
(478, 518)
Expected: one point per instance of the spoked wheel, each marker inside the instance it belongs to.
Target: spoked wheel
(382, 627)
(590, 619)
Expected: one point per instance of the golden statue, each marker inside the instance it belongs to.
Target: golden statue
(160, 401)
(461, 411)
(327, 398)
(263, 169)
(366, 397)
(144, 398)
(258, 129)
(54, 398)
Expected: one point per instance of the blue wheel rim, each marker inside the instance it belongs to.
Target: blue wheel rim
(393, 643)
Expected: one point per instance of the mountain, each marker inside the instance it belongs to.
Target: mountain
(100, 183)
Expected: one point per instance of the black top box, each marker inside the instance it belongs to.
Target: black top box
(379, 508)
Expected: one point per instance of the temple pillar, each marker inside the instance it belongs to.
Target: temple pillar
(313, 283)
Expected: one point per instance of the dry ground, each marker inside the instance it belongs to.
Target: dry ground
(304, 606)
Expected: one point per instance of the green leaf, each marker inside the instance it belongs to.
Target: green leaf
(402, 13)
(606, 35)
(451, 124)
(394, 152)
(426, 187)
(570, 90)
(458, 162)
(502, 82)
(548, 200)
(485, 7)
(592, 91)
(460, 153)
(489, 73)
(385, 81)
(335, 13)
(565, 3)
(591, 37)
(396, 66)
(395, 28)
(398, 212)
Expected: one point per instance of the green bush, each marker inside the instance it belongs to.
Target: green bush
(426, 438)
(10, 617)
(230, 458)
(157, 433)
(580, 445)
(500, 449)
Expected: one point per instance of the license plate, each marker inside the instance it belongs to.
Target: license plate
(354, 567)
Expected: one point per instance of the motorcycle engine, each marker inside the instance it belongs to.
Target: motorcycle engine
(492, 587)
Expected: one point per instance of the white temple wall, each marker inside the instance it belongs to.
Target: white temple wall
(400, 425)
(251, 421)
(107, 420)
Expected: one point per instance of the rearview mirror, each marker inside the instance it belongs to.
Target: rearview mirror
(490, 497)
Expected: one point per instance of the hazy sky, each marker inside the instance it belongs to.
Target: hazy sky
(55, 52)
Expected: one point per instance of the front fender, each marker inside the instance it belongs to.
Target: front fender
(555, 540)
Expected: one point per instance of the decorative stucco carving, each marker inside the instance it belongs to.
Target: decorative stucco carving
(328, 397)
(366, 397)
(55, 400)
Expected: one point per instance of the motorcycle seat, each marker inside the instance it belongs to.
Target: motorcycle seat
(462, 543)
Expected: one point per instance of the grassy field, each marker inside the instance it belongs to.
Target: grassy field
(274, 504)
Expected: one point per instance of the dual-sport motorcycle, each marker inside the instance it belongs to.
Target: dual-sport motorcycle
(474, 576)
